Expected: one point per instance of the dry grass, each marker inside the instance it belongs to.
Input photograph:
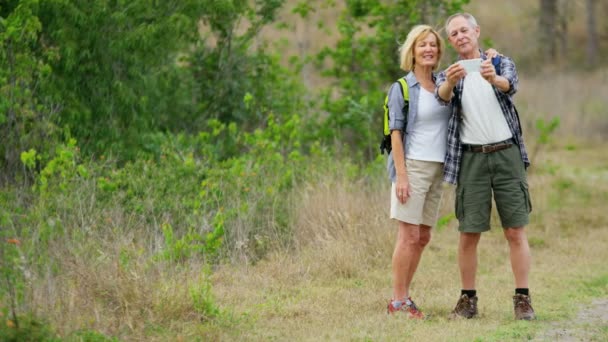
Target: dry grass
(578, 99)
(335, 286)
(111, 284)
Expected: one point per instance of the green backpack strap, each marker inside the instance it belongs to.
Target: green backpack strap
(385, 143)
(406, 97)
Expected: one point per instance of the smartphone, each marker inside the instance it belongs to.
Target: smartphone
(471, 65)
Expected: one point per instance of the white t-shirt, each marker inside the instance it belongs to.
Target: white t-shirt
(483, 120)
(428, 138)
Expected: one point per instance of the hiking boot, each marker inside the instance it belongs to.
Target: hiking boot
(522, 305)
(410, 309)
(465, 308)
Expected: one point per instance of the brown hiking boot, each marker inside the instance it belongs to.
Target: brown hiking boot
(522, 305)
(465, 308)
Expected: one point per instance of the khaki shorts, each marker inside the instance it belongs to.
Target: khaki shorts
(426, 190)
(501, 174)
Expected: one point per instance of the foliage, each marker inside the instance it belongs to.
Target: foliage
(29, 329)
(545, 129)
(234, 76)
(202, 297)
(114, 75)
(192, 243)
(12, 281)
(248, 194)
(26, 117)
(115, 57)
(89, 336)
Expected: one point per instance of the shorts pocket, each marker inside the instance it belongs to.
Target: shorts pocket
(526, 191)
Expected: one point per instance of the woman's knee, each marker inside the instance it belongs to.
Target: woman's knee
(409, 234)
(424, 236)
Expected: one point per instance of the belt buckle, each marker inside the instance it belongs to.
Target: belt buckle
(487, 148)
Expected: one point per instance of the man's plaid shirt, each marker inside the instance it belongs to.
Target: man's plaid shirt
(454, 151)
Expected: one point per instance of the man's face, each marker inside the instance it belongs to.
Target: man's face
(463, 37)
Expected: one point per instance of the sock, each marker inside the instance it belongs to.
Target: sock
(408, 301)
(523, 291)
(397, 304)
(469, 293)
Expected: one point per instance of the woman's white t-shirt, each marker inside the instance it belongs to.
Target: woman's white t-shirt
(427, 139)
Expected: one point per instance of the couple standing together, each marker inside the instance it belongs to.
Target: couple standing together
(464, 129)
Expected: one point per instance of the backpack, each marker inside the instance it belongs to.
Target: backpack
(385, 144)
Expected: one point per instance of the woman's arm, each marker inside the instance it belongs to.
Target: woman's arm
(402, 184)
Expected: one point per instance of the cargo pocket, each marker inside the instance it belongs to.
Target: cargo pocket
(459, 205)
(524, 188)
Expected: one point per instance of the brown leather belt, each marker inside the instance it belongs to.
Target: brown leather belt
(489, 148)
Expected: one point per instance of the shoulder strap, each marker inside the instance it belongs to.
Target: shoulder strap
(496, 62)
(406, 97)
(404, 88)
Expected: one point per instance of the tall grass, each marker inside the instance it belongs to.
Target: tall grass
(578, 99)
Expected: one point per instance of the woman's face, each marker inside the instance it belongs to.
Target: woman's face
(426, 51)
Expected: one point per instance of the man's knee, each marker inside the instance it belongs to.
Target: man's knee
(515, 235)
(469, 240)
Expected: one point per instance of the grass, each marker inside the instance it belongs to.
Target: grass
(336, 285)
(106, 282)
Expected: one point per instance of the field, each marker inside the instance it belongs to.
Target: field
(336, 286)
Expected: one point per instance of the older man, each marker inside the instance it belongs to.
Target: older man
(486, 155)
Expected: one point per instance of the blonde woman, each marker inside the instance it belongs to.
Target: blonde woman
(415, 164)
(419, 132)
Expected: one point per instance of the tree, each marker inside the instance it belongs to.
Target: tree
(548, 29)
(226, 68)
(592, 36)
(116, 67)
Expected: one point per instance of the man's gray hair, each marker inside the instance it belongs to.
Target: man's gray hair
(469, 17)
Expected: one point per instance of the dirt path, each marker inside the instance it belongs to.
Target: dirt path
(591, 324)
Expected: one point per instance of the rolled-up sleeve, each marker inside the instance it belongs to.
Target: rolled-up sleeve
(508, 71)
(395, 108)
(439, 79)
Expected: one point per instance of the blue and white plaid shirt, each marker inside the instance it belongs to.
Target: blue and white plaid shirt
(454, 152)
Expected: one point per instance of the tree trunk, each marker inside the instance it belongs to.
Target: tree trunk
(548, 29)
(592, 38)
(565, 8)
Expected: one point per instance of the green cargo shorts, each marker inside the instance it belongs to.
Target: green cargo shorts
(481, 174)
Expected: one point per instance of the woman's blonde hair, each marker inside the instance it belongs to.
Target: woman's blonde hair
(406, 51)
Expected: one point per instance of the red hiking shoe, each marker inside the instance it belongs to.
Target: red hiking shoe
(410, 309)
